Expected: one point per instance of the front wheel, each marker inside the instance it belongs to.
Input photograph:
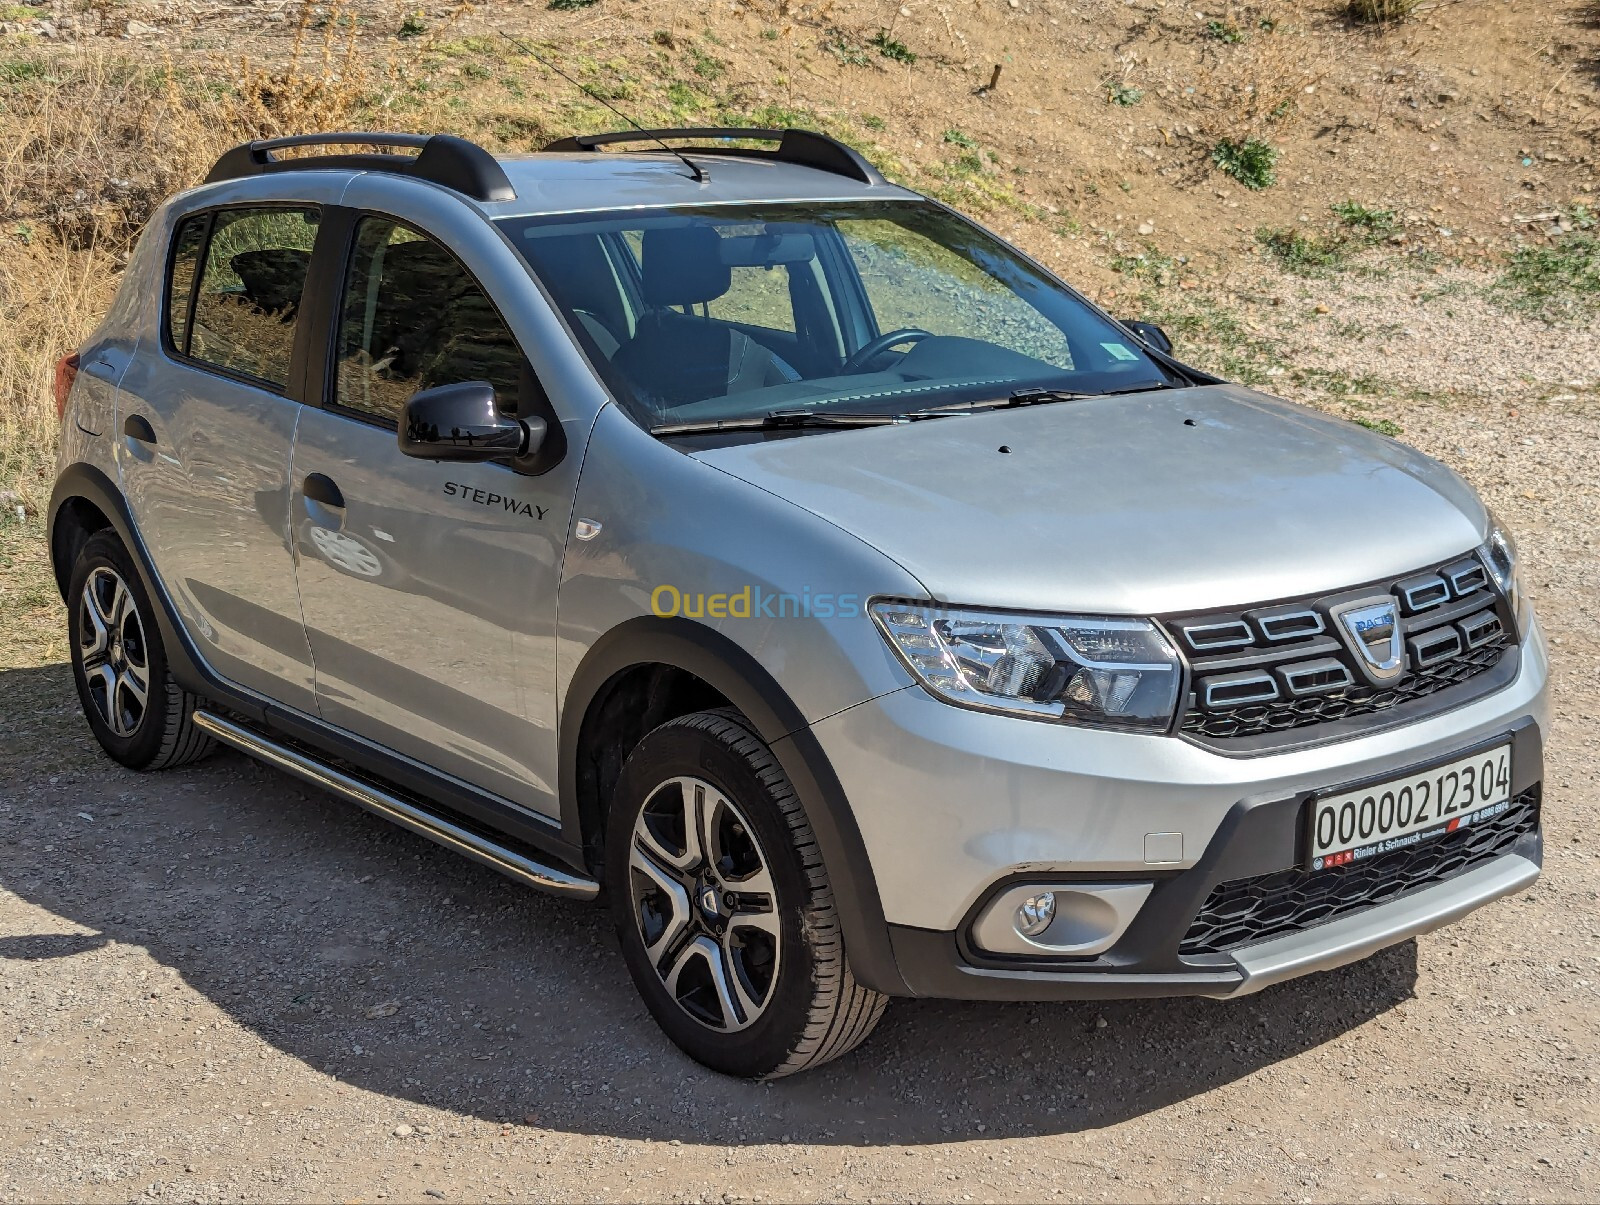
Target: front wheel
(723, 907)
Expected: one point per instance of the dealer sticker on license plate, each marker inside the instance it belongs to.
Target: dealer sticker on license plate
(1371, 820)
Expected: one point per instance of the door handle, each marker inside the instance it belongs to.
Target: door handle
(321, 489)
(136, 426)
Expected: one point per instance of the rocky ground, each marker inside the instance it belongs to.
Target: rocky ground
(217, 984)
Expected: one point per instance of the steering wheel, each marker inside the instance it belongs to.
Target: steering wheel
(864, 355)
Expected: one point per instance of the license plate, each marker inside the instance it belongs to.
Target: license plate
(1354, 825)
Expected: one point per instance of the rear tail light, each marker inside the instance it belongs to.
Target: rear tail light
(66, 373)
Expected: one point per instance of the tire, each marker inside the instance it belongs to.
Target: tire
(788, 1001)
(116, 652)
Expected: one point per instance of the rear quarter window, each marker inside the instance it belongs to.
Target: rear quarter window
(186, 247)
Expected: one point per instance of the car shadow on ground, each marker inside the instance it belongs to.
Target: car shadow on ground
(370, 954)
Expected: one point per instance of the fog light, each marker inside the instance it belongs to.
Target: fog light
(1035, 913)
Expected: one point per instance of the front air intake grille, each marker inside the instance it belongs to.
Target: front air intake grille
(1269, 670)
(1245, 911)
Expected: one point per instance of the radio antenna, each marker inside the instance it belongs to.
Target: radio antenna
(695, 170)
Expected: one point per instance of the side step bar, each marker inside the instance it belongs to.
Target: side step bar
(391, 807)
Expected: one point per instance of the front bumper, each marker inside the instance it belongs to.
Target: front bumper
(955, 806)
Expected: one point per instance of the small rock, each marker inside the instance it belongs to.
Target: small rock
(1099, 1022)
(402, 1131)
(387, 1009)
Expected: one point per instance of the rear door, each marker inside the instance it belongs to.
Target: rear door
(429, 589)
(205, 422)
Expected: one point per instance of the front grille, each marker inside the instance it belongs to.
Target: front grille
(1244, 911)
(1273, 669)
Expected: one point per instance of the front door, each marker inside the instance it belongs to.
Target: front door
(428, 589)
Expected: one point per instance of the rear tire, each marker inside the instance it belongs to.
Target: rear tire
(139, 714)
(723, 907)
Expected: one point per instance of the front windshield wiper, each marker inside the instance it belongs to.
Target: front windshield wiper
(777, 420)
(1027, 397)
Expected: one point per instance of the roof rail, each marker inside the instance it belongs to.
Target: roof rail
(442, 159)
(804, 147)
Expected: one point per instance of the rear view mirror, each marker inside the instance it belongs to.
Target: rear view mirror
(1151, 335)
(462, 422)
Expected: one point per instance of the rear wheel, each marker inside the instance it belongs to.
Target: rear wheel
(140, 716)
(723, 907)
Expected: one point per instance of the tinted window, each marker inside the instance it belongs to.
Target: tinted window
(180, 287)
(249, 298)
(414, 318)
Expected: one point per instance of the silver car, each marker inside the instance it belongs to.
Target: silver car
(727, 527)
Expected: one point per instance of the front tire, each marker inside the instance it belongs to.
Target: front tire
(139, 714)
(723, 907)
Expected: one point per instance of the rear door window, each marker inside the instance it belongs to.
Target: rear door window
(248, 301)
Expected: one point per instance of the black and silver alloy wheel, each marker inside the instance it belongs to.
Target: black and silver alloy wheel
(705, 905)
(113, 651)
(137, 711)
(723, 906)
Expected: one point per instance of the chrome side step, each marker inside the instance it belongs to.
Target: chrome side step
(391, 807)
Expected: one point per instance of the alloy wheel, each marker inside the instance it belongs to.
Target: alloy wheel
(703, 899)
(113, 652)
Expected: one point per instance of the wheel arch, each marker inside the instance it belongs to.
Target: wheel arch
(691, 667)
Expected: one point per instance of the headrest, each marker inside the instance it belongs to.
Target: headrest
(683, 265)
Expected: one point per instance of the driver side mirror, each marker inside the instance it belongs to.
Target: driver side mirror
(462, 422)
(1151, 334)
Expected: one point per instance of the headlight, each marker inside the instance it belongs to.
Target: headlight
(1499, 556)
(1106, 673)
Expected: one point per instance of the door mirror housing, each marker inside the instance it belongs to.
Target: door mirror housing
(462, 422)
(1151, 334)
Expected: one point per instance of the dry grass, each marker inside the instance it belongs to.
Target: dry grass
(95, 141)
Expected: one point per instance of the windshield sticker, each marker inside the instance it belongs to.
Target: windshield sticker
(1120, 351)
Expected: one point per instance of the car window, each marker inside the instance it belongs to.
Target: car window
(758, 296)
(915, 282)
(249, 295)
(186, 245)
(742, 311)
(413, 318)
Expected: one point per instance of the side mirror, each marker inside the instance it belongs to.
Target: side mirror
(1152, 335)
(462, 422)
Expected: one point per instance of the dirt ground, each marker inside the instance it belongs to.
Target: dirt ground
(217, 984)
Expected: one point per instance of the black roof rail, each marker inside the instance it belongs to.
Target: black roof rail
(442, 159)
(804, 147)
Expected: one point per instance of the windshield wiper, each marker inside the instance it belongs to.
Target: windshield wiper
(777, 420)
(1026, 397)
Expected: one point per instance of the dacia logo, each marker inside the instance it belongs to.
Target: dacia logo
(454, 489)
(1372, 630)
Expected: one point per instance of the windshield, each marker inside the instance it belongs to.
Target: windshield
(734, 312)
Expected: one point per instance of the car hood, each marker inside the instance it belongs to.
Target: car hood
(1167, 501)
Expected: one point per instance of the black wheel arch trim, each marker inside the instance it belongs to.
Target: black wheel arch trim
(731, 671)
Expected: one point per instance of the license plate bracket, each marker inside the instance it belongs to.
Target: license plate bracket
(1351, 824)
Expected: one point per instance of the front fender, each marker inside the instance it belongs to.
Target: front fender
(741, 679)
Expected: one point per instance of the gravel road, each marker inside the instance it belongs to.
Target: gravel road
(217, 984)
